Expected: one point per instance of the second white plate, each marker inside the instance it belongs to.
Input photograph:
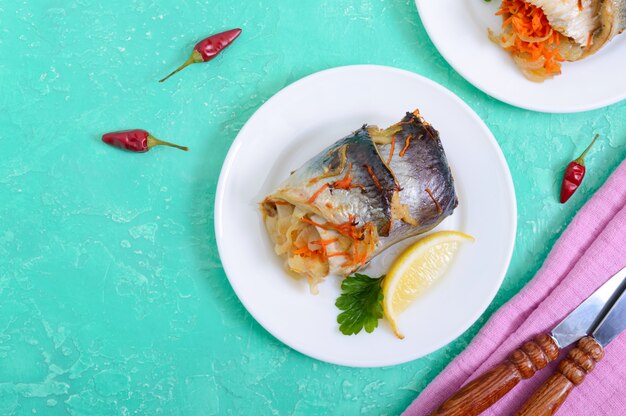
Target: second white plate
(302, 120)
(459, 31)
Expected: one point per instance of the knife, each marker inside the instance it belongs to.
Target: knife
(580, 361)
(480, 394)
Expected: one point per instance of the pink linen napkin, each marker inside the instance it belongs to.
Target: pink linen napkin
(592, 249)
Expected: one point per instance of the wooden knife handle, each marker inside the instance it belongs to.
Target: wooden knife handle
(571, 372)
(480, 394)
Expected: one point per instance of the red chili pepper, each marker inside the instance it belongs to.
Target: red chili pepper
(574, 174)
(136, 141)
(209, 48)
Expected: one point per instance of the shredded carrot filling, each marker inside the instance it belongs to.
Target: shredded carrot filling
(317, 224)
(405, 122)
(305, 251)
(528, 21)
(373, 176)
(428, 130)
(589, 39)
(358, 258)
(325, 242)
(349, 229)
(302, 251)
(346, 182)
(319, 253)
(317, 193)
(407, 141)
(277, 202)
(393, 145)
(339, 253)
(580, 5)
(430, 193)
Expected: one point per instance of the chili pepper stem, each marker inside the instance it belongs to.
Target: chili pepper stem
(194, 58)
(153, 141)
(581, 158)
(186, 64)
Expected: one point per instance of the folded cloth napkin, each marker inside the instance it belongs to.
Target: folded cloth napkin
(591, 250)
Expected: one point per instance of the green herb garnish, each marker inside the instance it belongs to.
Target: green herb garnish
(361, 301)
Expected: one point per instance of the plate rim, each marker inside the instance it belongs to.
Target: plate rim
(519, 104)
(227, 166)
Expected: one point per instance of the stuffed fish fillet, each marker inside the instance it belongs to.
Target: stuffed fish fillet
(359, 196)
(540, 34)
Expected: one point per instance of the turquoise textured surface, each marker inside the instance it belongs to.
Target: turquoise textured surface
(112, 295)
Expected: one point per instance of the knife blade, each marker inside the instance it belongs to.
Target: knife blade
(580, 361)
(477, 396)
(582, 320)
(613, 323)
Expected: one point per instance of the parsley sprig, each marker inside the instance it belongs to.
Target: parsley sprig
(361, 301)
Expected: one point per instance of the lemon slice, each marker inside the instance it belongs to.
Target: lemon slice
(416, 269)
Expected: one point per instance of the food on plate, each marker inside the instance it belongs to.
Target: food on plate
(541, 34)
(359, 196)
(416, 269)
(361, 303)
(365, 300)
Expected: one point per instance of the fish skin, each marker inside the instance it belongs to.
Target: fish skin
(368, 205)
(362, 152)
(423, 166)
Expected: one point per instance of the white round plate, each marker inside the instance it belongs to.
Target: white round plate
(458, 28)
(300, 121)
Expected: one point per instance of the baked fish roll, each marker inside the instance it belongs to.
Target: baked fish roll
(359, 196)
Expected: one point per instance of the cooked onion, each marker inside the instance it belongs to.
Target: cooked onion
(526, 63)
(569, 50)
(525, 42)
(288, 231)
(497, 39)
(542, 39)
(537, 75)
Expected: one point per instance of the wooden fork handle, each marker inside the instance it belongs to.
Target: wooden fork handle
(580, 361)
(480, 394)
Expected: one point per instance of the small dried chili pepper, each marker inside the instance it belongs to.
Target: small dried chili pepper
(136, 141)
(574, 174)
(209, 48)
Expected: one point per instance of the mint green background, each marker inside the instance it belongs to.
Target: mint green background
(112, 296)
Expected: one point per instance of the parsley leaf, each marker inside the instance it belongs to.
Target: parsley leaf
(361, 301)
